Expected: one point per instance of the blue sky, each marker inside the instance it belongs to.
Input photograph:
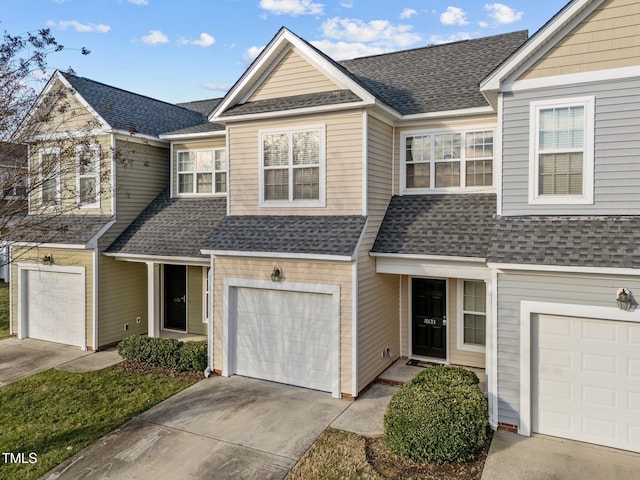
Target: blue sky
(181, 50)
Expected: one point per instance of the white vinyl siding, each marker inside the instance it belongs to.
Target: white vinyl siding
(88, 176)
(562, 151)
(449, 160)
(202, 172)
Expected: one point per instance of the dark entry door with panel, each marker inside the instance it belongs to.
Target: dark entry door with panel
(175, 297)
(429, 317)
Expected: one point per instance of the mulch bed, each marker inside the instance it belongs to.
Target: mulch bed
(131, 366)
(389, 466)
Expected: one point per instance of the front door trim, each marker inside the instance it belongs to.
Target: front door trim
(410, 320)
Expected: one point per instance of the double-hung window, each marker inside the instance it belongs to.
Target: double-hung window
(447, 160)
(292, 167)
(202, 171)
(88, 175)
(49, 176)
(561, 150)
(473, 315)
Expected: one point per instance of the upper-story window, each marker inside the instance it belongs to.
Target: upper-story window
(202, 171)
(561, 144)
(88, 175)
(450, 160)
(292, 167)
(49, 177)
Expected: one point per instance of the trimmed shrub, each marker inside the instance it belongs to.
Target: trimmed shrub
(165, 352)
(438, 418)
(446, 376)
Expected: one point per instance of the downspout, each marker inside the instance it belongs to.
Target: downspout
(209, 370)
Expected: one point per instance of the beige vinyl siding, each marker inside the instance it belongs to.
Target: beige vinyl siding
(195, 145)
(607, 39)
(344, 141)
(378, 323)
(62, 258)
(293, 75)
(326, 273)
(195, 301)
(122, 297)
(459, 357)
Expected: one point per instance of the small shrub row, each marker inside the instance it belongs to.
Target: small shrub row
(165, 352)
(439, 416)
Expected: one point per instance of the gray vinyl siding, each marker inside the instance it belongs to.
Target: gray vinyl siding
(617, 142)
(514, 287)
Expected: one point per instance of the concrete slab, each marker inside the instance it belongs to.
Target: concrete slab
(540, 457)
(21, 358)
(92, 362)
(365, 416)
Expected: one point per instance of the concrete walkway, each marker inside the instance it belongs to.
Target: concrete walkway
(540, 457)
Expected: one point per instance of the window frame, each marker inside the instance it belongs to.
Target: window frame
(586, 198)
(463, 132)
(322, 160)
(95, 150)
(58, 201)
(195, 172)
(461, 345)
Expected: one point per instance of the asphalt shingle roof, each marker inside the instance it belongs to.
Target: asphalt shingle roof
(132, 112)
(320, 235)
(175, 227)
(586, 241)
(447, 225)
(63, 229)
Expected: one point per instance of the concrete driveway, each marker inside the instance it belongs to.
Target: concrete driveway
(21, 358)
(219, 428)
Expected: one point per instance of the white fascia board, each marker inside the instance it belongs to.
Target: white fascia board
(61, 246)
(445, 267)
(189, 136)
(293, 256)
(292, 112)
(93, 242)
(564, 269)
(127, 133)
(443, 258)
(134, 257)
(448, 113)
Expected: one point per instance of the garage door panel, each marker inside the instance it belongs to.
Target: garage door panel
(586, 380)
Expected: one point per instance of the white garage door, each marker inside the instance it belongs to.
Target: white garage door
(53, 305)
(586, 380)
(285, 337)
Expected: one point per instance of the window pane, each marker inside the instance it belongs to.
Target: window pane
(479, 173)
(204, 182)
(418, 175)
(479, 144)
(204, 162)
(221, 182)
(87, 190)
(87, 162)
(418, 149)
(49, 193)
(306, 148)
(276, 184)
(447, 174)
(221, 159)
(474, 297)
(562, 128)
(447, 146)
(474, 329)
(306, 183)
(276, 150)
(560, 174)
(185, 183)
(186, 161)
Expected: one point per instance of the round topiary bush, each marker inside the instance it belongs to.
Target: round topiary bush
(437, 418)
(446, 376)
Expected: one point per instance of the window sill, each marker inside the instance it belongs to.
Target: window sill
(456, 190)
(471, 348)
(294, 204)
(561, 200)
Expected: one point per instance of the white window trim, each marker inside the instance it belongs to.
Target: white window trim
(321, 202)
(41, 178)
(588, 158)
(213, 192)
(463, 170)
(95, 150)
(460, 325)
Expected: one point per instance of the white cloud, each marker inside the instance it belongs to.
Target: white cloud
(453, 16)
(251, 53)
(292, 7)
(139, 2)
(346, 4)
(79, 27)
(456, 37)
(408, 13)
(483, 24)
(503, 14)
(380, 33)
(345, 51)
(205, 40)
(155, 37)
(217, 87)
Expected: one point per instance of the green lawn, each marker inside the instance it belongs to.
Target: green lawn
(55, 414)
(4, 310)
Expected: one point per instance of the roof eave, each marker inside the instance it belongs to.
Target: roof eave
(187, 136)
(301, 256)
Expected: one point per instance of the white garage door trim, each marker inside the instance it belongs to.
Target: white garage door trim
(23, 270)
(527, 309)
(229, 323)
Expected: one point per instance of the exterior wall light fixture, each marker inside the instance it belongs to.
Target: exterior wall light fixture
(47, 259)
(276, 275)
(623, 298)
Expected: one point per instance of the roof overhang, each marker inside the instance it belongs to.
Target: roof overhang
(432, 265)
(294, 256)
(189, 136)
(166, 259)
(564, 269)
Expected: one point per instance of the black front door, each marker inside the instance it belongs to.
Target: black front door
(175, 297)
(429, 318)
